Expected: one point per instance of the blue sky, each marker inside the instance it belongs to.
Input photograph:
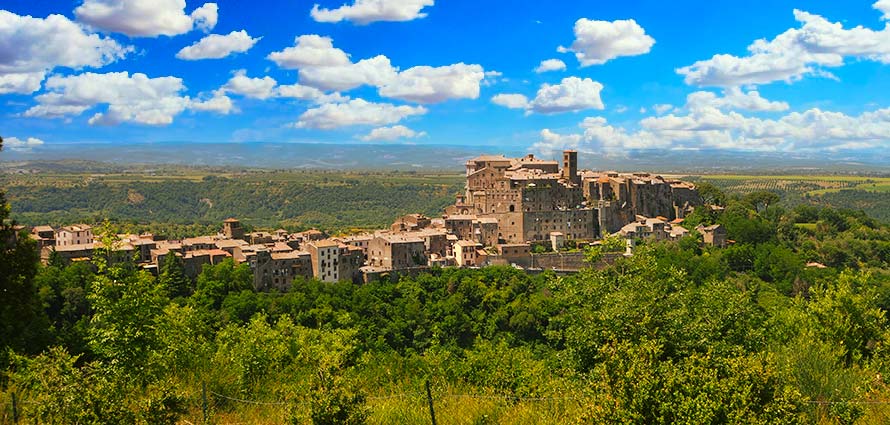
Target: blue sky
(630, 75)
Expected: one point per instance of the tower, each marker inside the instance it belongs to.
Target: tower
(232, 228)
(570, 166)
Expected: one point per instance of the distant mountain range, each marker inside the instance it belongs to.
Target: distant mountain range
(437, 157)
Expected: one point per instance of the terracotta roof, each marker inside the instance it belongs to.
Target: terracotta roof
(467, 243)
(325, 243)
(230, 243)
(292, 255)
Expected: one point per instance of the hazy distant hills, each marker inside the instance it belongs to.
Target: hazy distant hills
(417, 157)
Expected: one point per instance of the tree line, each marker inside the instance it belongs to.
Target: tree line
(677, 333)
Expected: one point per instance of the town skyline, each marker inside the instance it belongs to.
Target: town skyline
(806, 78)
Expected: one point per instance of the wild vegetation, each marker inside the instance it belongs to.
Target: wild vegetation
(185, 203)
(677, 333)
(870, 194)
(177, 201)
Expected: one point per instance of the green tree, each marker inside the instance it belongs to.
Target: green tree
(217, 281)
(122, 329)
(761, 200)
(710, 194)
(23, 325)
(173, 277)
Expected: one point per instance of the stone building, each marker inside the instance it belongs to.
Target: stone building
(78, 234)
(465, 254)
(411, 222)
(397, 251)
(325, 256)
(714, 235)
(528, 196)
(620, 197)
(232, 229)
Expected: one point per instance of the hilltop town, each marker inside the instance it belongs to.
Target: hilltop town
(526, 212)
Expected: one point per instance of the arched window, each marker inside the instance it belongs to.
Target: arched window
(512, 208)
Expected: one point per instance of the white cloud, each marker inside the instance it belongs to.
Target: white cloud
(21, 82)
(356, 112)
(510, 100)
(790, 56)
(205, 17)
(551, 65)
(146, 18)
(621, 109)
(367, 11)
(734, 98)
(136, 98)
(216, 46)
(256, 88)
(571, 94)
(376, 71)
(219, 103)
(31, 47)
(883, 6)
(267, 88)
(299, 91)
(310, 50)
(392, 133)
(493, 77)
(426, 84)
(709, 127)
(661, 108)
(597, 42)
(19, 145)
(554, 142)
(325, 67)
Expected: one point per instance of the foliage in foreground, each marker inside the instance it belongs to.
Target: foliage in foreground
(674, 334)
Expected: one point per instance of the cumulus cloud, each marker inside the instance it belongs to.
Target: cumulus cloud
(883, 6)
(219, 103)
(355, 112)
(31, 47)
(553, 142)
(571, 94)
(267, 88)
(710, 127)
(510, 100)
(299, 91)
(597, 42)
(129, 98)
(19, 145)
(426, 84)
(256, 88)
(376, 71)
(551, 65)
(325, 67)
(366, 11)
(389, 134)
(797, 52)
(216, 46)
(310, 50)
(734, 98)
(146, 18)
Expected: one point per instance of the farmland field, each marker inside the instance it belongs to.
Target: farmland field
(867, 193)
